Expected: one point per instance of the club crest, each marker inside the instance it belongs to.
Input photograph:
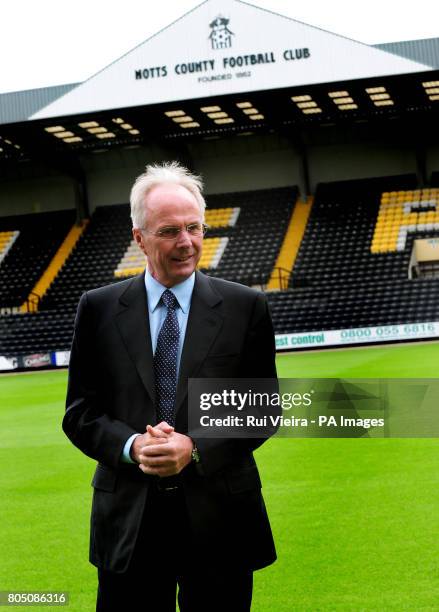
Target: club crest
(220, 35)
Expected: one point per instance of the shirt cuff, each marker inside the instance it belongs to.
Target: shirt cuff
(126, 457)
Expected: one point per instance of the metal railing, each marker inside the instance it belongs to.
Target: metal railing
(32, 303)
(282, 276)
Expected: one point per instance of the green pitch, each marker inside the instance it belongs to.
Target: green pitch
(356, 521)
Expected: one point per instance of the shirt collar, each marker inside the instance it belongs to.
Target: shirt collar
(182, 291)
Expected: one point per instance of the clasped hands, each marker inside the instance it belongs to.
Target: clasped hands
(161, 451)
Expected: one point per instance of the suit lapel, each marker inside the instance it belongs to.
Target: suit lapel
(203, 326)
(133, 323)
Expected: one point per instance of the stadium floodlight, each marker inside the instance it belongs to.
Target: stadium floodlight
(244, 104)
(311, 111)
(375, 90)
(185, 119)
(97, 130)
(134, 132)
(430, 84)
(380, 96)
(63, 134)
(311, 104)
(256, 117)
(126, 126)
(106, 135)
(193, 124)
(219, 115)
(432, 90)
(210, 109)
(88, 124)
(55, 128)
(384, 103)
(435, 97)
(347, 106)
(338, 94)
(221, 121)
(303, 98)
(250, 111)
(347, 100)
(73, 139)
(118, 120)
(175, 113)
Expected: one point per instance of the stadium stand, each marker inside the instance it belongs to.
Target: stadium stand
(36, 332)
(340, 279)
(256, 238)
(338, 282)
(251, 225)
(38, 238)
(93, 260)
(352, 253)
(7, 239)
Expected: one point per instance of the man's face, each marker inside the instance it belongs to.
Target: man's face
(170, 261)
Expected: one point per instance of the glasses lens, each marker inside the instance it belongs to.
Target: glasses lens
(168, 232)
(195, 229)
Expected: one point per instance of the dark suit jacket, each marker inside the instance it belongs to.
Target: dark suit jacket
(111, 396)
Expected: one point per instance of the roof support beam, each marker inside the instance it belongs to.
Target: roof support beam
(421, 163)
(81, 195)
(298, 142)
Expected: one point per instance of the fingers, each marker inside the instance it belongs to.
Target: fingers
(162, 430)
(157, 465)
(165, 453)
(157, 455)
(159, 459)
(150, 441)
(154, 436)
(157, 462)
(161, 448)
(155, 432)
(165, 427)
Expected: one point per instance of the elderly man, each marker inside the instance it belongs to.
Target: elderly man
(167, 509)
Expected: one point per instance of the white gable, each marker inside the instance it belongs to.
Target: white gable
(224, 47)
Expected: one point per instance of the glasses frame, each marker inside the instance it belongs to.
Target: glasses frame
(157, 234)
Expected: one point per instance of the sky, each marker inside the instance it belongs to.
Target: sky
(53, 42)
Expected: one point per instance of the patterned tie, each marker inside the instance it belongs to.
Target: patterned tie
(165, 361)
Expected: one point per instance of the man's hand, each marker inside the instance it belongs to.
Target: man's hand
(164, 452)
(153, 435)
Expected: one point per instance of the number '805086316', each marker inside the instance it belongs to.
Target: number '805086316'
(48, 598)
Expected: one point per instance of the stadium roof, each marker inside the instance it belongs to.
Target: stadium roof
(425, 51)
(224, 47)
(23, 105)
(250, 71)
(20, 105)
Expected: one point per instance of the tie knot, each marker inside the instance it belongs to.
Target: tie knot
(169, 300)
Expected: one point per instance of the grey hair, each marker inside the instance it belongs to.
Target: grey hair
(159, 174)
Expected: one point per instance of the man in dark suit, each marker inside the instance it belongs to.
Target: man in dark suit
(169, 509)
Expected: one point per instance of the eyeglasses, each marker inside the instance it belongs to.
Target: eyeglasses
(170, 232)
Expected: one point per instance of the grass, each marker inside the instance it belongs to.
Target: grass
(398, 361)
(45, 508)
(356, 521)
